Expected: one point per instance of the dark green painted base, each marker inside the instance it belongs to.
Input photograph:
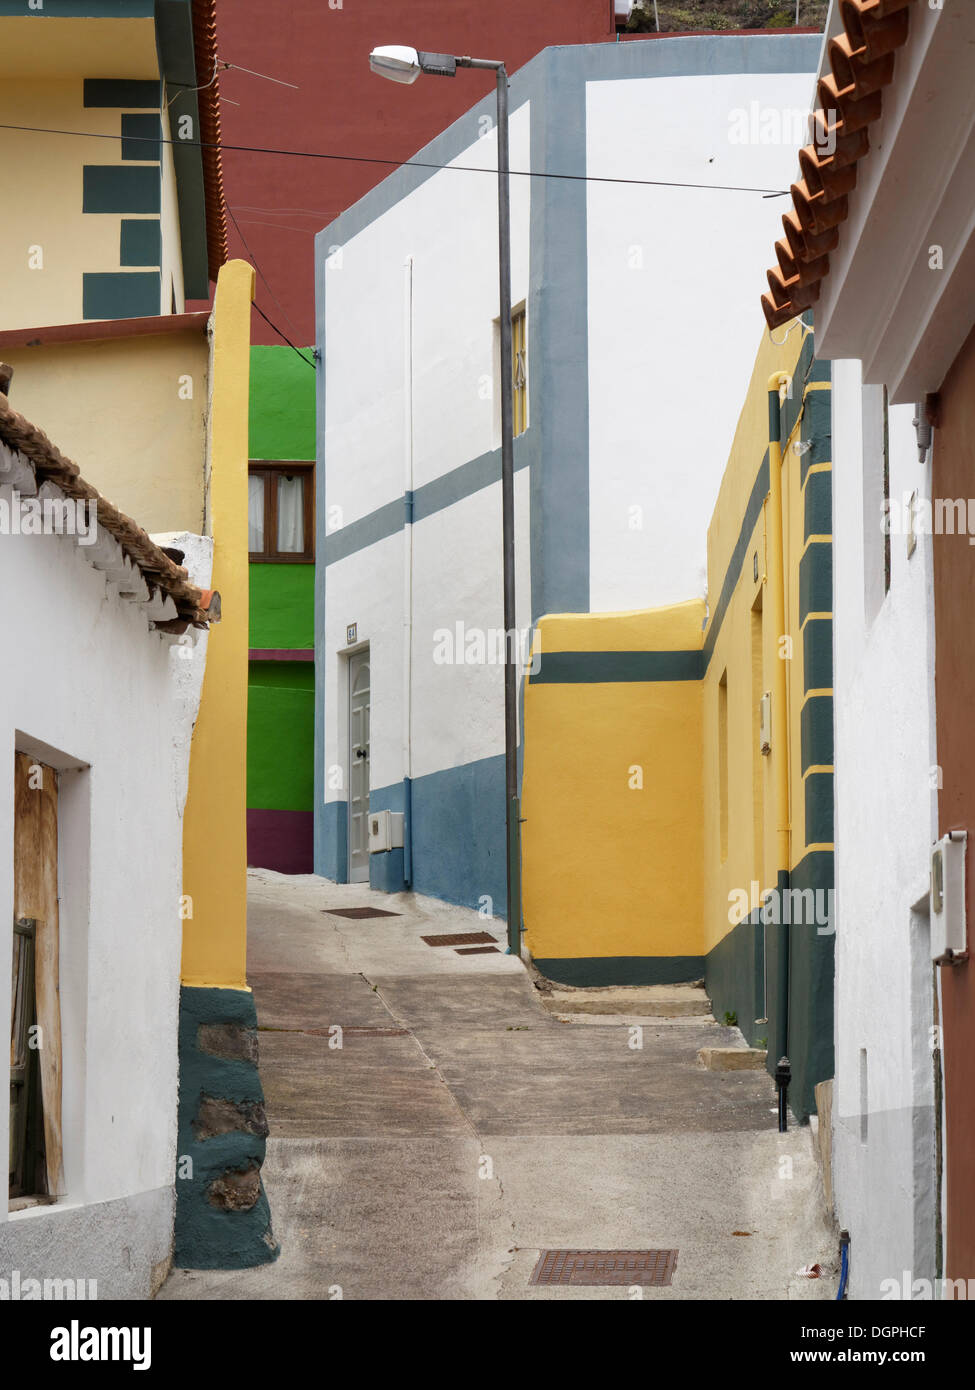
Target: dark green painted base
(223, 1220)
(743, 973)
(590, 971)
(734, 974)
(811, 957)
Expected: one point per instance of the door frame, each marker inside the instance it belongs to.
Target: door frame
(350, 653)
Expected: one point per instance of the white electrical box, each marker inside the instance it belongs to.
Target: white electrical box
(385, 831)
(765, 723)
(949, 929)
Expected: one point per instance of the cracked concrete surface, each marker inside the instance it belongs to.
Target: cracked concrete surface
(460, 1128)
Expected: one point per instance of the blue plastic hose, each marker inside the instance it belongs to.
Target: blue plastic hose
(844, 1272)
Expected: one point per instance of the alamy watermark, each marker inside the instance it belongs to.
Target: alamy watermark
(785, 907)
(926, 1290)
(18, 1289)
(914, 515)
(475, 646)
(49, 516)
(781, 125)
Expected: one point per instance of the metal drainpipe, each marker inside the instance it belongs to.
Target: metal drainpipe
(408, 573)
(780, 726)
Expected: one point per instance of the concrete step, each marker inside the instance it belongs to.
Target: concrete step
(644, 1001)
(733, 1058)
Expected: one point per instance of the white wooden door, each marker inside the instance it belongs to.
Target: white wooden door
(359, 767)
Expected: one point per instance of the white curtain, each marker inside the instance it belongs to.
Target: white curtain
(291, 514)
(255, 513)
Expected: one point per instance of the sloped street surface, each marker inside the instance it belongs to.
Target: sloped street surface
(455, 1128)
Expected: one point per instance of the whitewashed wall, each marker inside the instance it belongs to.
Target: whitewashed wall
(449, 227)
(675, 280)
(886, 820)
(88, 688)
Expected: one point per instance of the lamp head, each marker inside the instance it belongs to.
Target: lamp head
(397, 63)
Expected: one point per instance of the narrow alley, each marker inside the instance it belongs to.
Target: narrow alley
(460, 1128)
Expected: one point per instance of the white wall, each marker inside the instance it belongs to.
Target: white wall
(449, 228)
(88, 688)
(886, 820)
(675, 281)
(449, 225)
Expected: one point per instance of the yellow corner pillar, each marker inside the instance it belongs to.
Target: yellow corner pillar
(215, 821)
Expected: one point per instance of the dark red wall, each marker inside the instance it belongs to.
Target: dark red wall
(954, 605)
(342, 108)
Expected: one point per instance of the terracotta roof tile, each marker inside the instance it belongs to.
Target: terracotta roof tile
(862, 61)
(205, 42)
(195, 606)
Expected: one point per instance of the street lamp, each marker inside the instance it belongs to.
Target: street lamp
(400, 64)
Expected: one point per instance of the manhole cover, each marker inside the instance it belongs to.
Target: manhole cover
(477, 950)
(464, 938)
(358, 912)
(646, 1267)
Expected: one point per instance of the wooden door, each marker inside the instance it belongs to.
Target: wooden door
(36, 901)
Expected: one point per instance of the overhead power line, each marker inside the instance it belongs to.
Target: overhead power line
(278, 331)
(401, 163)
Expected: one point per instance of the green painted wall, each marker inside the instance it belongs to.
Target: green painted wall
(282, 426)
(280, 732)
(282, 605)
(281, 695)
(282, 405)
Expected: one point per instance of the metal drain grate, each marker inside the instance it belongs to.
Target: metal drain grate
(476, 950)
(464, 938)
(358, 912)
(647, 1267)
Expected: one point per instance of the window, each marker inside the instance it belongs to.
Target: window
(281, 511)
(519, 370)
(519, 374)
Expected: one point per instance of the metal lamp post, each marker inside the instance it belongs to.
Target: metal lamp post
(405, 65)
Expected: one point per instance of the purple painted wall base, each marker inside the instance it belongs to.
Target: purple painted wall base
(282, 840)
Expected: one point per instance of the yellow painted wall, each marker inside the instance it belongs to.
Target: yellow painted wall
(612, 871)
(43, 63)
(151, 462)
(41, 45)
(215, 823)
(749, 665)
(595, 882)
(43, 208)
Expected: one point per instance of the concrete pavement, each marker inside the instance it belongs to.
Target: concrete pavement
(460, 1127)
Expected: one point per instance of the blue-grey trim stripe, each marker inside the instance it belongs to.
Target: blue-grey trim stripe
(426, 500)
(375, 526)
(558, 340)
(571, 668)
(753, 510)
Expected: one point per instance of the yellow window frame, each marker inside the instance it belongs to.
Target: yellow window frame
(519, 370)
